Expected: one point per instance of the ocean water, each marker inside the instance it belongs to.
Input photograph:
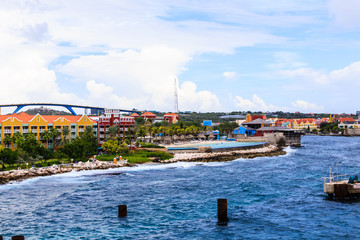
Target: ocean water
(268, 198)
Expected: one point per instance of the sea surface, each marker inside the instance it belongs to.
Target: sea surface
(268, 198)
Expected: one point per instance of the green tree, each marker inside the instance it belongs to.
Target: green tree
(141, 132)
(65, 134)
(112, 131)
(82, 147)
(111, 146)
(47, 136)
(7, 156)
(55, 133)
(139, 121)
(7, 140)
(130, 134)
(18, 139)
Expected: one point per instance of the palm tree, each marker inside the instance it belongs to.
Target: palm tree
(18, 139)
(130, 133)
(141, 132)
(65, 133)
(113, 131)
(55, 133)
(7, 140)
(47, 136)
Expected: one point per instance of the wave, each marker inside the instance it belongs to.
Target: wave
(290, 151)
(83, 176)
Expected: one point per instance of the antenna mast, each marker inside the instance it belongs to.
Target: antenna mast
(176, 103)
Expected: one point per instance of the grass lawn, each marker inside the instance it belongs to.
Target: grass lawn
(138, 156)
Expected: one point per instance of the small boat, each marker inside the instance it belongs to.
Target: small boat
(342, 186)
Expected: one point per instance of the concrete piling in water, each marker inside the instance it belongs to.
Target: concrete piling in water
(341, 191)
(122, 210)
(222, 211)
(18, 237)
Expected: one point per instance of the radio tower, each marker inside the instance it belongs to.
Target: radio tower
(176, 103)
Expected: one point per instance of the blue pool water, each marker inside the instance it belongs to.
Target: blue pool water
(268, 198)
(217, 145)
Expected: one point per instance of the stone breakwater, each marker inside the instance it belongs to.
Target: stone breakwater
(268, 151)
(14, 175)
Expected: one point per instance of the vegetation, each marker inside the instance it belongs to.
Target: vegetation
(327, 128)
(138, 156)
(45, 111)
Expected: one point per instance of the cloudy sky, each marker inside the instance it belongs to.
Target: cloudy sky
(227, 55)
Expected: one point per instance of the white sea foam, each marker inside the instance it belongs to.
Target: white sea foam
(81, 176)
(290, 151)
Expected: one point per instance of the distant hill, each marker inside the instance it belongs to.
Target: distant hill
(46, 111)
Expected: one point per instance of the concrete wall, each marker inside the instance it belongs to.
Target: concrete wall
(352, 132)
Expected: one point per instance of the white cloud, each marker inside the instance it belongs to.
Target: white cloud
(345, 13)
(348, 76)
(304, 106)
(285, 60)
(230, 75)
(102, 95)
(255, 104)
(145, 78)
(202, 101)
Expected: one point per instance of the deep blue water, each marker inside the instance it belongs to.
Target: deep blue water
(268, 198)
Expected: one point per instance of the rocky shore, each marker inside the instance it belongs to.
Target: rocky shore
(15, 175)
(268, 151)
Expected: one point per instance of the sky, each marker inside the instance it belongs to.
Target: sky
(226, 56)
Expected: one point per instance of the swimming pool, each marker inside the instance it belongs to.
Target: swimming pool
(217, 145)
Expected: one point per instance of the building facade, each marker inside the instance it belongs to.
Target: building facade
(37, 124)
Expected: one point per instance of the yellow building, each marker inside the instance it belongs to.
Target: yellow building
(304, 124)
(37, 124)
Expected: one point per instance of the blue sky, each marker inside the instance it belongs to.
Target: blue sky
(226, 55)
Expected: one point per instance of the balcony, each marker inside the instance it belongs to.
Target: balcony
(34, 130)
(25, 130)
(7, 131)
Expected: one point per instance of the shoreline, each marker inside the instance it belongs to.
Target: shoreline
(229, 155)
(22, 174)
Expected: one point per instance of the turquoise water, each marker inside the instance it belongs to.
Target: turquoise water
(231, 144)
(268, 198)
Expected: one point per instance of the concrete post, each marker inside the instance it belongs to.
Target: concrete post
(222, 211)
(18, 237)
(122, 210)
(341, 191)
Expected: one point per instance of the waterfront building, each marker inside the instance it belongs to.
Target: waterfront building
(244, 131)
(148, 115)
(305, 123)
(257, 123)
(172, 118)
(272, 121)
(250, 118)
(24, 123)
(114, 117)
